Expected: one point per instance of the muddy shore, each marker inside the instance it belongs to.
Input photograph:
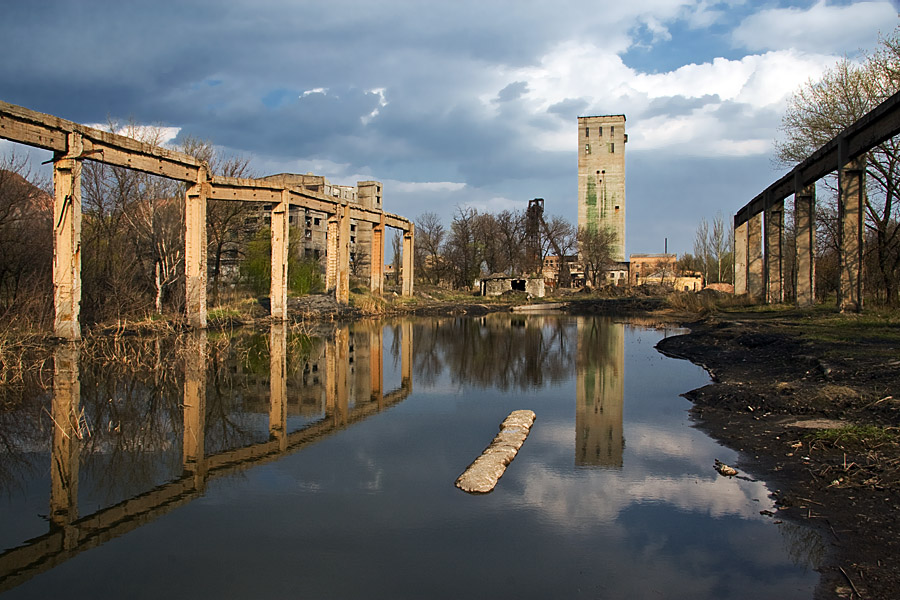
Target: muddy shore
(812, 404)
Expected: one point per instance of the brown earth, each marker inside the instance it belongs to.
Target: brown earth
(812, 402)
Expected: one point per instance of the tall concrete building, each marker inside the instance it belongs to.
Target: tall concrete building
(601, 176)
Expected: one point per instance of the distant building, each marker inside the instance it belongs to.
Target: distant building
(660, 269)
(601, 177)
(314, 225)
(499, 283)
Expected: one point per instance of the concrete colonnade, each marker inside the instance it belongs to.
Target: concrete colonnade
(72, 143)
(844, 154)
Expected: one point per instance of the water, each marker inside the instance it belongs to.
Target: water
(285, 465)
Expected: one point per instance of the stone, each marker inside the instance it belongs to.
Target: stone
(485, 471)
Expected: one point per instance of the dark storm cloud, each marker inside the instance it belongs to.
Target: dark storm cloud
(570, 108)
(678, 106)
(512, 92)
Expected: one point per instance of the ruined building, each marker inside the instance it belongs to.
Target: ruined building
(314, 225)
(601, 176)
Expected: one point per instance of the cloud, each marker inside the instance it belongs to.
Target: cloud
(821, 28)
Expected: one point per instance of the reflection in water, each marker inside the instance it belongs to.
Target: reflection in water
(162, 437)
(351, 370)
(600, 395)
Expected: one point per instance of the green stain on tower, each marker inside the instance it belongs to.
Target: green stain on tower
(590, 201)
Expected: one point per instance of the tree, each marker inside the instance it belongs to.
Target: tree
(462, 250)
(225, 220)
(713, 250)
(821, 109)
(26, 238)
(430, 234)
(132, 227)
(596, 246)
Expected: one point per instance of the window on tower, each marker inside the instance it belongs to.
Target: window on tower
(587, 148)
(587, 132)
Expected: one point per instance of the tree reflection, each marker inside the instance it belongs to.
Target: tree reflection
(504, 351)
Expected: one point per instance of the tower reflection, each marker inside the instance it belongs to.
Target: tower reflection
(600, 393)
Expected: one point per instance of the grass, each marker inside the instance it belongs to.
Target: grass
(867, 436)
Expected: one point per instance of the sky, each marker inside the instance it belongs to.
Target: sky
(452, 104)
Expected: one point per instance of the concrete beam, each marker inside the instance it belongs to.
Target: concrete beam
(740, 258)
(774, 253)
(805, 225)
(195, 251)
(67, 240)
(851, 204)
(280, 245)
(25, 126)
(876, 126)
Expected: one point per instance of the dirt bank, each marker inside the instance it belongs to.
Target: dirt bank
(812, 402)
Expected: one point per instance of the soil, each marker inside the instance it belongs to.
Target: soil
(796, 396)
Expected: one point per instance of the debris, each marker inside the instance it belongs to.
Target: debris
(724, 469)
(482, 475)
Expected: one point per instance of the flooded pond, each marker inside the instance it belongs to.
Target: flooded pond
(288, 464)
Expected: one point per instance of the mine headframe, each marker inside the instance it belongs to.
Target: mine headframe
(534, 224)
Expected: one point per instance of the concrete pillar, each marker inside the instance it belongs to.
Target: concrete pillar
(67, 240)
(407, 268)
(331, 253)
(195, 251)
(67, 436)
(851, 204)
(342, 285)
(278, 383)
(774, 253)
(376, 280)
(740, 258)
(280, 245)
(194, 439)
(755, 258)
(805, 224)
(406, 355)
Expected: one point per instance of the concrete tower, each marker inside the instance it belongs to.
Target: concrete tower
(601, 176)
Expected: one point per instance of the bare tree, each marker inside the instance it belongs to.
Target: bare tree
(225, 220)
(26, 240)
(461, 251)
(596, 247)
(429, 241)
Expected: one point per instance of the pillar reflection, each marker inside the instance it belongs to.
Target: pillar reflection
(193, 446)
(600, 393)
(337, 393)
(278, 383)
(67, 435)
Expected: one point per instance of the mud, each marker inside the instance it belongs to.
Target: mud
(814, 409)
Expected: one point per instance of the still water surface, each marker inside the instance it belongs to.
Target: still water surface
(286, 465)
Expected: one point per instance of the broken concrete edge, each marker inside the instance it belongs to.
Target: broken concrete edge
(482, 475)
